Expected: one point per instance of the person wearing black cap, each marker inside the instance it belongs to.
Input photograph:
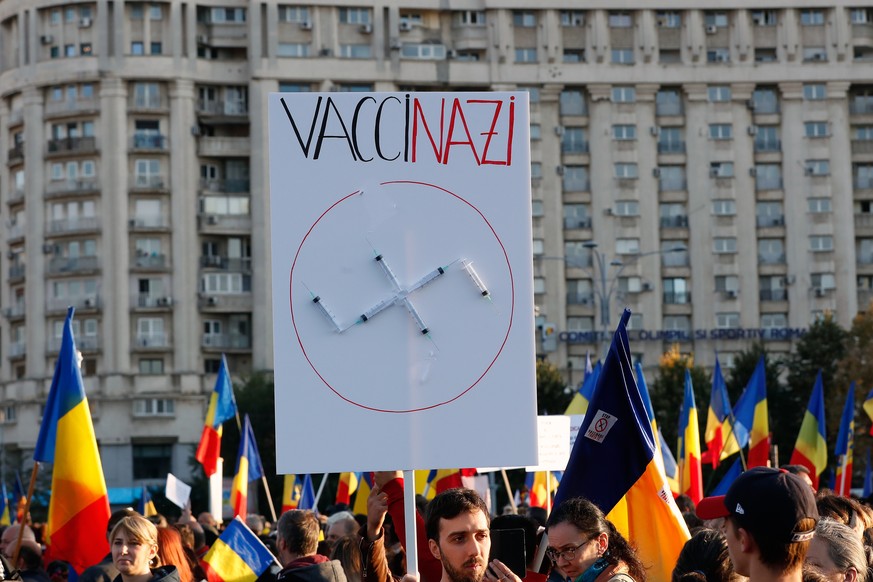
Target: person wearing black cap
(769, 519)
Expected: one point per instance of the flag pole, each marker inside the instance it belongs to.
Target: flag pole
(30, 489)
(548, 493)
(742, 456)
(269, 497)
(541, 552)
(508, 491)
(409, 514)
(843, 464)
(320, 489)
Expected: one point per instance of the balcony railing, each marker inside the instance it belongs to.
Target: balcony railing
(231, 341)
(574, 147)
(148, 222)
(222, 108)
(671, 184)
(16, 154)
(583, 222)
(15, 310)
(771, 259)
(224, 146)
(73, 225)
(863, 220)
(150, 300)
(765, 106)
(16, 272)
(674, 221)
(142, 182)
(580, 298)
(773, 294)
(232, 186)
(59, 265)
(235, 264)
(769, 145)
(17, 349)
(148, 141)
(226, 221)
(57, 187)
(88, 343)
(861, 106)
(227, 301)
(768, 184)
(71, 106)
(863, 183)
(152, 261)
(862, 146)
(669, 108)
(152, 340)
(78, 301)
(677, 297)
(16, 194)
(72, 145)
(767, 221)
(671, 147)
(146, 102)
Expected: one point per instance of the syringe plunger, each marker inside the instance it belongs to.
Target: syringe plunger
(468, 266)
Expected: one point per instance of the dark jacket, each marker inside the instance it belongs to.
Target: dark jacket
(316, 568)
(162, 574)
(105, 571)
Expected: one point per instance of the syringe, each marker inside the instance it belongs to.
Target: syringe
(468, 266)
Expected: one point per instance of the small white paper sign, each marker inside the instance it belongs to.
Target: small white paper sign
(600, 426)
(553, 435)
(177, 491)
(575, 426)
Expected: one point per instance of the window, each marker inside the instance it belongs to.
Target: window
(668, 19)
(573, 55)
(720, 131)
(764, 17)
(579, 291)
(673, 215)
(626, 171)
(524, 18)
(722, 245)
(623, 56)
(153, 406)
(575, 179)
(765, 55)
(573, 102)
(774, 320)
(768, 176)
(717, 19)
(225, 283)
(289, 87)
(624, 132)
(536, 208)
(671, 179)
(355, 51)
(624, 95)
(152, 461)
(812, 17)
(54, 52)
(536, 132)
(354, 15)
(155, 48)
(727, 320)
(70, 14)
(69, 50)
(627, 246)
(815, 54)
(771, 251)
(55, 17)
(424, 51)
(470, 18)
(817, 168)
(85, 49)
(719, 93)
(724, 207)
(155, 12)
(769, 214)
(574, 141)
(627, 208)
(539, 285)
(137, 48)
(765, 100)
(816, 129)
(577, 216)
(819, 205)
(293, 13)
(767, 138)
(668, 102)
(525, 55)
(814, 91)
(532, 91)
(136, 12)
(630, 284)
(864, 132)
(8, 414)
(536, 170)
(721, 169)
(577, 255)
(226, 15)
(620, 19)
(538, 247)
(821, 243)
(823, 281)
(580, 324)
(572, 18)
(718, 55)
(667, 56)
(676, 290)
(680, 323)
(727, 283)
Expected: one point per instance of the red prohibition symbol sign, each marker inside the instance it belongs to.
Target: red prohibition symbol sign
(601, 424)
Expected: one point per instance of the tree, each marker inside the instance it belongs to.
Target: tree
(821, 348)
(552, 396)
(668, 393)
(856, 365)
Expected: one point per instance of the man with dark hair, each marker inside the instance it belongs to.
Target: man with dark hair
(799, 470)
(769, 519)
(297, 541)
(30, 563)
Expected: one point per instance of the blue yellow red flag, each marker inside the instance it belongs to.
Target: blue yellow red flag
(579, 404)
(237, 555)
(811, 447)
(348, 484)
(79, 505)
(307, 495)
(291, 493)
(750, 422)
(717, 418)
(222, 407)
(365, 485)
(617, 426)
(248, 468)
(846, 446)
(4, 507)
(146, 506)
(690, 472)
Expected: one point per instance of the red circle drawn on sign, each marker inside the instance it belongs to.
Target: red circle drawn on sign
(601, 425)
(490, 364)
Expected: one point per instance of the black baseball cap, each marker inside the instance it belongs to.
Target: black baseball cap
(766, 502)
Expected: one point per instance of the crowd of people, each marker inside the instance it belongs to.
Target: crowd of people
(771, 525)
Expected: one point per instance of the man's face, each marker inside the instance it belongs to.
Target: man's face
(738, 558)
(336, 532)
(463, 547)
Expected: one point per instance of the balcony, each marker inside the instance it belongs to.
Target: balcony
(85, 343)
(17, 349)
(71, 145)
(677, 297)
(674, 222)
(768, 183)
(148, 183)
(671, 184)
(860, 106)
(224, 146)
(146, 102)
(71, 107)
(148, 142)
(863, 182)
(862, 146)
(226, 109)
(771, 259)
(79, 302)
(16, 311)
(864, 220)
(70, 225)
(66, 187)
(148, 223)
(226, 341)
(16, 272)
(671, 147)
(151, 261)
(234, 264)
(232, 186)
(16, 195)
(226, 302)
(65, 265)
(769, 221)
(773, 294)
(152, 301)
(152, 340)
(16, 154)
(580, 298)
(769, 145)
(575, 147)
(671, 108)
(224, 222)
(574, 222)
(765, 106)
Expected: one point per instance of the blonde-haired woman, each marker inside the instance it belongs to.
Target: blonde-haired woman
(134, 543)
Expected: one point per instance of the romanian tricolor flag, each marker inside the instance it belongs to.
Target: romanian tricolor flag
(4, 506)
(541, 485)
(348, 484)
(846, 446)
(248, 468)
(19, 499)
(79, 505)
(307, 495)
(237, 555)
(690, 473)
(662, 453)
(365, 485)
(579, 404)
(146, 505)
(671, 467)
(751, 424)
(868, 479)
(811, 448)
(290, 493)
(633, 493)
(716, 418)
(222, 407)
(443, 479)
(728, 479)
(868, 407)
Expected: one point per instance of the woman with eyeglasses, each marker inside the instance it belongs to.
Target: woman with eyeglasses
(586, 547)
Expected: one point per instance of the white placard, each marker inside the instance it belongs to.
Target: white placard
(575, 426)
(553, 434)
(402, 280)
(177, 491)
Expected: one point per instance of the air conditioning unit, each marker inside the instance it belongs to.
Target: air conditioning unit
(405, 26)
(48, 249)
(655, 130)
(195, 130)
(819, 292)
(752, 130)
(85, 22)
(325, 52)
(753, 172)
(366, 29)
(559, 170)
(656, 172)
(559, 130)
(750, 104)
(203, 39)
(450, 54)
(46, 39)
(131, 223)
(88, 302)
(646, 286)
(779, 221)
(731, 293)
(212, 301)
(715, 172)
(213, 220)
(711, 29)
(819, 57)
(306, 25)
(165, 301)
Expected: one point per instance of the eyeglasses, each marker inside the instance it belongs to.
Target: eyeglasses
(568, 554)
